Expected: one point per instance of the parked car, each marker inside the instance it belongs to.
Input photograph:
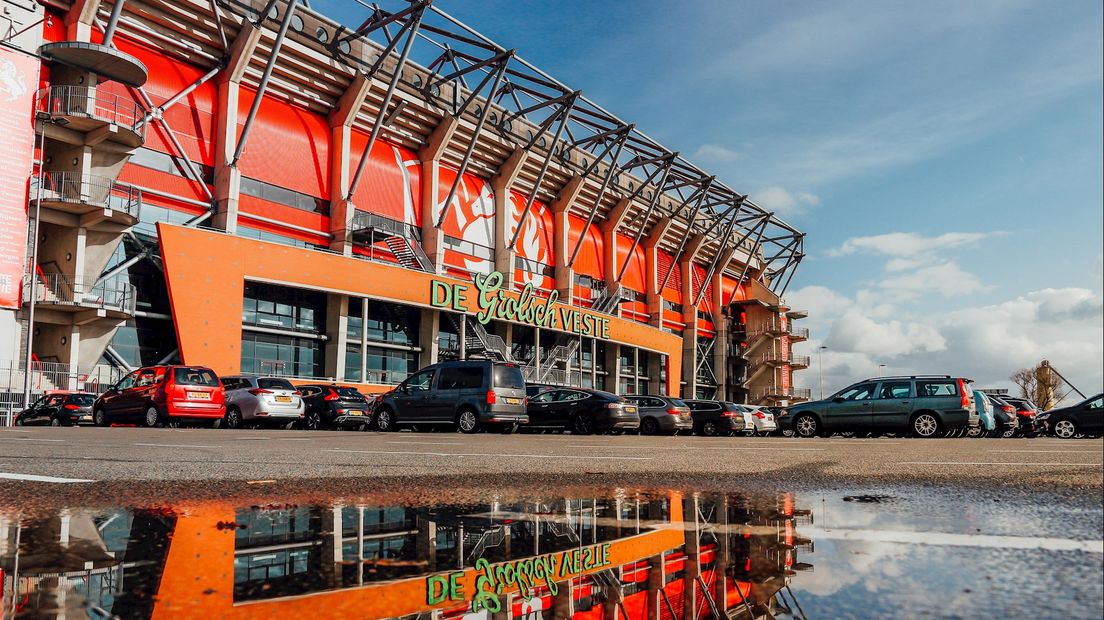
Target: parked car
(1086, 417)
(925, 405)
(762, 420)
(714, 417)
(334, 406)
(60, 408)
(261, 400)
(468, 394)
(987, 422)
(1007, 422)
(582, 411)
(662, 414)
(1026, 411)
(160, 395)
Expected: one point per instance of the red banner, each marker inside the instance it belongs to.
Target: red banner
(18, 78)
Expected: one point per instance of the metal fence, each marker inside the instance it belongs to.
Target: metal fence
(87, 189)
(116, 293)
(91, 102)
(46, 377)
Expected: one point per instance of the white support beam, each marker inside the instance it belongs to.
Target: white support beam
(501, 183)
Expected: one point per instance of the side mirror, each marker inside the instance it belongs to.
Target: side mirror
(838, 399)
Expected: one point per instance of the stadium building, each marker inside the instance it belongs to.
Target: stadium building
(253, 186)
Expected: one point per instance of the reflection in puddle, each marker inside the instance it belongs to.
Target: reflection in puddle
(609, 556)
(664, 556)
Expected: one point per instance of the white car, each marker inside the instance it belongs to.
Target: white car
(760, 419)
(254, 400)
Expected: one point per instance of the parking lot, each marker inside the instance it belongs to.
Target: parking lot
(212, 457)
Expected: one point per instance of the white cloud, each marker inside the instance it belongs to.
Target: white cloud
(946, 279)
(856, 332)
(715, 153)
(909, 245)
(780, 201)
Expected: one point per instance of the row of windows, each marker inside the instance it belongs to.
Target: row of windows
(272, 306)
(284, 196)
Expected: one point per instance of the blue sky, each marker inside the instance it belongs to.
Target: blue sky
(944, 157)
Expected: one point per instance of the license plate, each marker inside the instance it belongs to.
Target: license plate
(199, 395)
(513, 401)
(355, 412)
(283, 399)
(630, 409)
(86, 417)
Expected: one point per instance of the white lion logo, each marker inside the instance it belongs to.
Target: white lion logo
(12, 81)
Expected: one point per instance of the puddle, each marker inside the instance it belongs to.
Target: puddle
(606, 555)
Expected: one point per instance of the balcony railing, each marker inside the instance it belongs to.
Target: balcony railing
(95, 191)
(781, 358)
(799, 333)
(57, 289)
(780, 392)
(92, 103)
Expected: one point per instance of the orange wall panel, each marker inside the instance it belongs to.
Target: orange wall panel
(590, 261)
(391, 183)
(287, 146)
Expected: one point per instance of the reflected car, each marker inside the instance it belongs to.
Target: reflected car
(160, 395)
(261, 400)
(60, 408)
(334, 406)
(662, 414)
(1084, 418)
(468, 395)
(582, 411)
(923, 405)
(714, 417)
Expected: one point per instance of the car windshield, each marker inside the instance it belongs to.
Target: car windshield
(508, 376)
(83, 400)
(275, 384)
(195, 376)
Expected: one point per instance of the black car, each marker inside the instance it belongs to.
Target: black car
(714, 417)
(58, 409)
(1084, 418)
(582, 411)
(468, 395)
(329, 406)
(1027, 412)
(1004, 414)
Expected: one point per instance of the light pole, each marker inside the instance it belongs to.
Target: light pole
(820, 368)
(881, 372)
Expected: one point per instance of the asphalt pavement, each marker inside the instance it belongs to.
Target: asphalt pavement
(48, 461)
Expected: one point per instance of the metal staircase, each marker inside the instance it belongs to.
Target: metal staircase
(408, 253)
(608, 299)
(561, 353)
(478, 341)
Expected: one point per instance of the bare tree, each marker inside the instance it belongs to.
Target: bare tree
(1038, 384)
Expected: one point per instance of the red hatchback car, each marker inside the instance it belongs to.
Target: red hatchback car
(157, 395)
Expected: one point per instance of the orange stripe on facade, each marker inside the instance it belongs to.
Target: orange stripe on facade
(206, 271)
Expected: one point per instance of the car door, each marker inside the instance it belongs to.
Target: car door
(567, 405)
(851, 408)
(1091, 417)
(30, 413)
(142, 392)
(50, 408)
(893, 405)
(412, 397)
(114, 401)
(540, 408)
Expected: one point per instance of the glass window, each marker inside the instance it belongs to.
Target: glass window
(284, 196)
(461, 378)
(268, 305)
(393, 323)
(544, 397)
(281, 356)
(389, 366)
(82, 400)
(936, 388)
(572, 395)
(896, 389)
(352, 362)
(127, 381)
(195, 376)
(420, 382)
(509, 376)
(1097, 404)
(274, 384)
(863, 391)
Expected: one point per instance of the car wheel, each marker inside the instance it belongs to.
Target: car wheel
(56, 422)
(582, 425)
(925, 425)
(232, 419)
(976, 431)
(709, 429)
(649, 426)
(788, 433)
(1065, 429)
(467, 422)
(99, 417)
(314, 421)
(1009, 433)
(806, 425)
(152, 418)
(385, 420)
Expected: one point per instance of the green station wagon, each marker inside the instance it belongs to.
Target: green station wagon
(924, 405)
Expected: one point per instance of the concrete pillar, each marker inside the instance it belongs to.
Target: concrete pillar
(613, 367)
(505, 224)
(341, 122)
(652, 273)
(426, 543)
(610, 245)
(337, 332)
(656, 608)
(690, 332)
(227, 177)
(561, 209)
(427, 337)
(720, 345)
(693, 565)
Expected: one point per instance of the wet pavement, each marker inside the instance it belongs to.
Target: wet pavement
(564, 538)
